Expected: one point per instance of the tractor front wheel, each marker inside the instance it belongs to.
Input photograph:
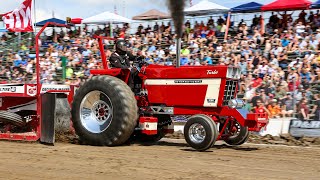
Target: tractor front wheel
(200, 132)
(104, 111)
(237, 134)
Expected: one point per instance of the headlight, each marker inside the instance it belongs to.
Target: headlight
(233, 73)
(235, 103)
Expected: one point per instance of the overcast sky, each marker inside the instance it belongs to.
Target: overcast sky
(87, 8)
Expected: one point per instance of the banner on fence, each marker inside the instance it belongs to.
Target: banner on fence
(299, 128)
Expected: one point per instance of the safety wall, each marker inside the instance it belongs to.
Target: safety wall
(278, 126)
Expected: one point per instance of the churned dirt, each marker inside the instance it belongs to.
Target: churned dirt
(168, 159)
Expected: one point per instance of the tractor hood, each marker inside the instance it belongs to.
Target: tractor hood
(191, 72)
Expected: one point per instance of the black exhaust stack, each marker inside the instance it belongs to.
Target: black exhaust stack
(176, 8)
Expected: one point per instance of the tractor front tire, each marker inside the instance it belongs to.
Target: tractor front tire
(200, 132)
(104, 111)
(239, 137)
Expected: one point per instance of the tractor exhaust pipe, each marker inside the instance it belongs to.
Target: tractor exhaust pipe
(176, 8)
(178, 52)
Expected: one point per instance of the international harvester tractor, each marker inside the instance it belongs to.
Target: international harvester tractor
(107, 112)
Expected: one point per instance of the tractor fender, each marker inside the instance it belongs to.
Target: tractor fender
(110, 72)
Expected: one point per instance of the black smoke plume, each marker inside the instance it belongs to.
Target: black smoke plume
(176, 8)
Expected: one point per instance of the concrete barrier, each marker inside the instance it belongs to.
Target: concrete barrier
(276, 127)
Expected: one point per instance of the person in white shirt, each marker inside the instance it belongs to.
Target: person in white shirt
(318, 35)
(300, 28)
(173, 47)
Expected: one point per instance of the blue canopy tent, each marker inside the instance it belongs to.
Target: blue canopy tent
(250, 7)
(53, 20)
(247, 8)
(315, 5)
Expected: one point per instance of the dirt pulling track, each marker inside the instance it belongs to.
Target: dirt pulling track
(169, 159)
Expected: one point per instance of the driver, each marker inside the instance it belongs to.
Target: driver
(121, 59)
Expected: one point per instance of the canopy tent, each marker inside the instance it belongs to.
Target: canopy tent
(105, 18)
(247, 8)
(315, 5)
(205, 7)
(152, 14)
(53, 20)
(287, 5)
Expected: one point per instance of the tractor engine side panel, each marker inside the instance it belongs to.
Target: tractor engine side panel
(184, 92)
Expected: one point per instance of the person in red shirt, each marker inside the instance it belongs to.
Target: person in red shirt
(260, 108)
(256, 82)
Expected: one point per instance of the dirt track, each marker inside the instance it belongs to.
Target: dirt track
(171, 159)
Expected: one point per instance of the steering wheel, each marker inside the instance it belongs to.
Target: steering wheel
(139, 62)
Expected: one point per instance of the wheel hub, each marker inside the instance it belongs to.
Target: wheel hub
(101, 110)
(235, 129)
(96, 111)
(197, 133)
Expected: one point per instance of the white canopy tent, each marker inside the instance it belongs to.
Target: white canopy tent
(205, 7)
(105, 18)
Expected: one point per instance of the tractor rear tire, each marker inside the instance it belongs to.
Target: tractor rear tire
(240, 138)
(13, 118)
(208, 129)
(104, 111)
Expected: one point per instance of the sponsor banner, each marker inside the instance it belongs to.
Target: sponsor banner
(180, 118)
(31, 90)
(12, 89)
(299, 128)
(56, 88)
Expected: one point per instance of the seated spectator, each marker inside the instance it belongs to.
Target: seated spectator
(274, 109)
(287, 105)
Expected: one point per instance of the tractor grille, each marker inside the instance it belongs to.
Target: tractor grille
(229, 92)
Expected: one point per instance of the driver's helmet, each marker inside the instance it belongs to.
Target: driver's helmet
(121, 46)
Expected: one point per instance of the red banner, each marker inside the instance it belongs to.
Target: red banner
(19, 20)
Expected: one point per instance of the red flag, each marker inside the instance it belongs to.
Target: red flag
(19, 20)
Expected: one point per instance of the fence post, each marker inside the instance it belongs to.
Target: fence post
(294, 98)
(64, 65)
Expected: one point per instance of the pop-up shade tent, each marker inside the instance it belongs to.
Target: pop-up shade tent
(152, 14)
(106, 18)
(53, 20)
(315, 5)
(247, 8)
(287, 5)
(205, 7)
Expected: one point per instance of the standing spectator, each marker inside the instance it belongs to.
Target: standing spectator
(303, 110)
(316, 108)
(260, 108)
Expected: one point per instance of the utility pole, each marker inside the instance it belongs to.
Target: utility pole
(115, 9)
(124, 8)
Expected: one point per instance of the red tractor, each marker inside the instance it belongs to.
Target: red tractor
(106, 112)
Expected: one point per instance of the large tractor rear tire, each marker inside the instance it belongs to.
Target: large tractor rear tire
(104, 111)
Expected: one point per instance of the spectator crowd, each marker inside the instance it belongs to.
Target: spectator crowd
(280, 67)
